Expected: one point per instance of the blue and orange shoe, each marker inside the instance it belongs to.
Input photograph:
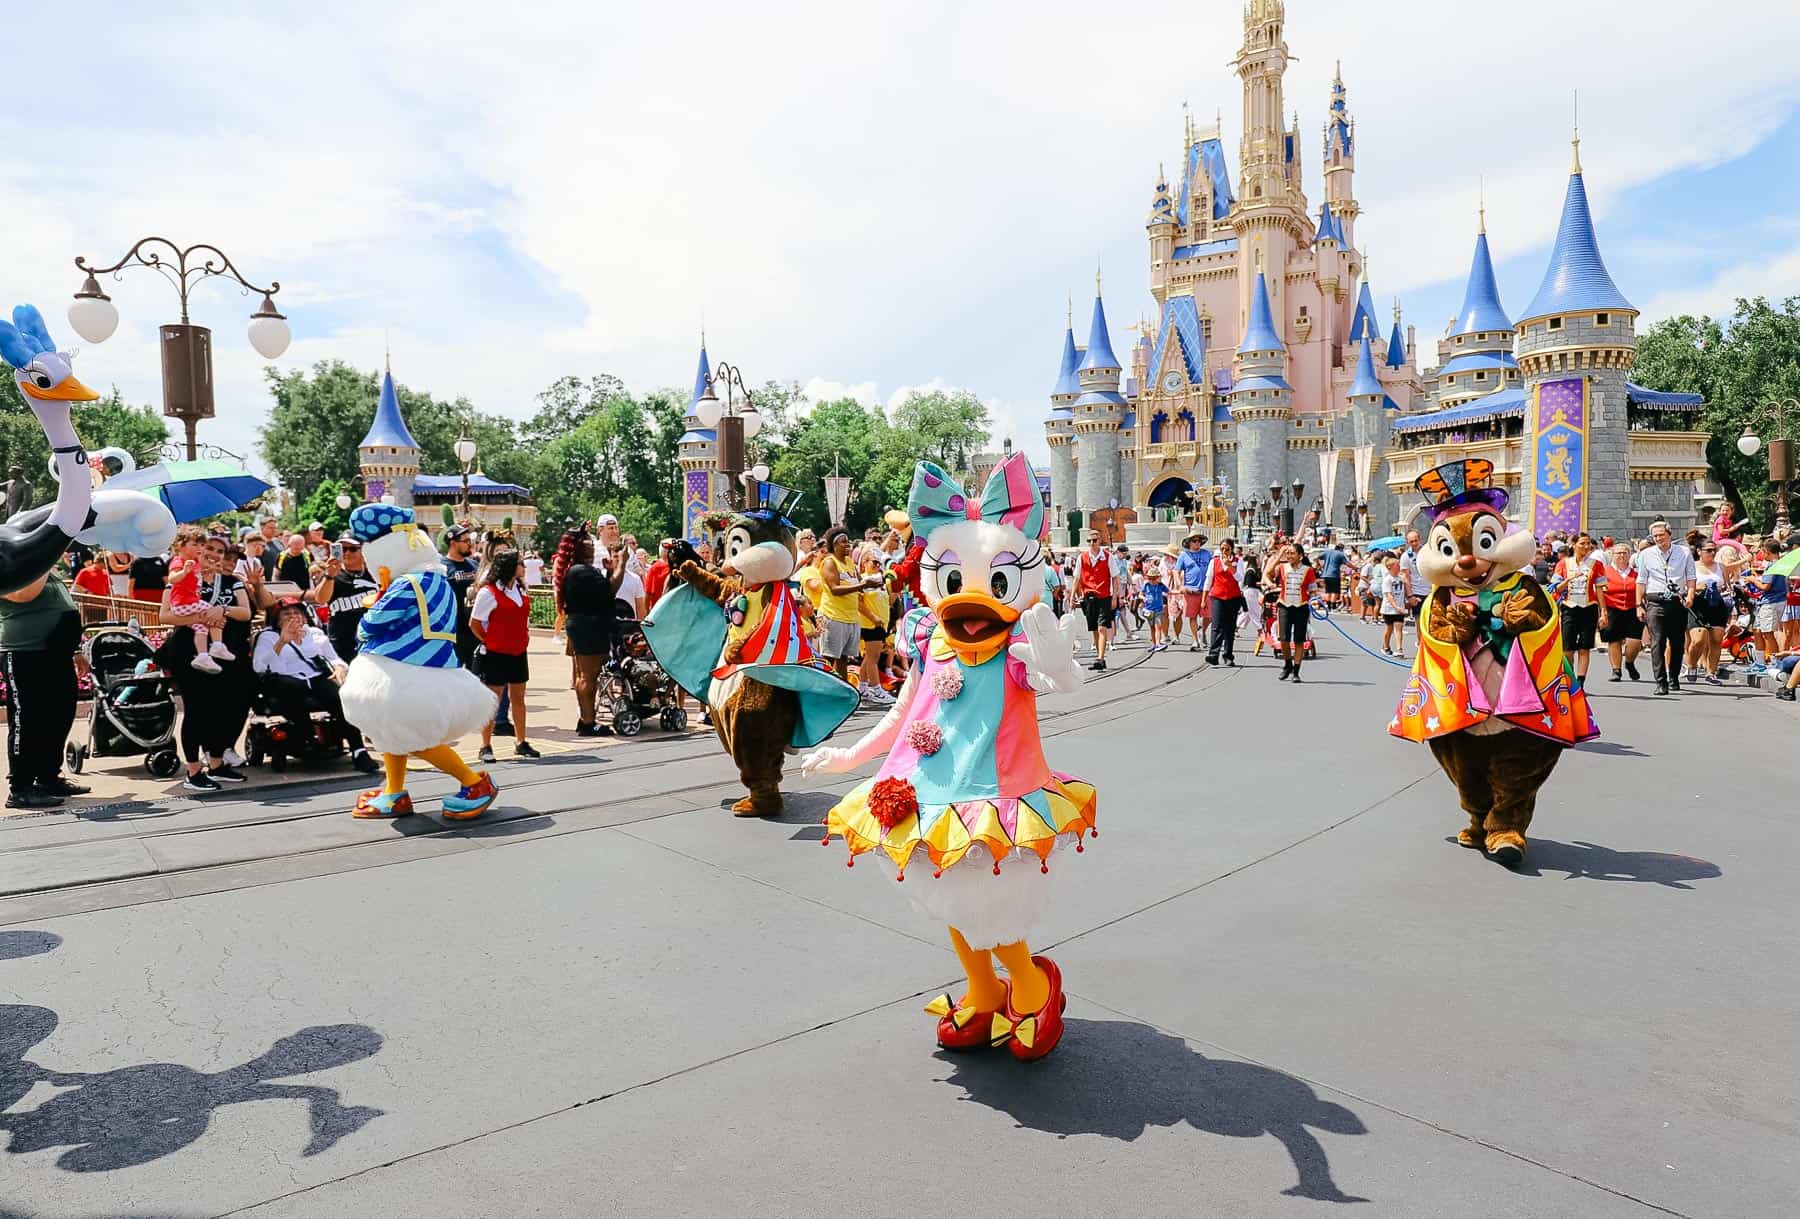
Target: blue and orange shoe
(378, 805)
(469, 802)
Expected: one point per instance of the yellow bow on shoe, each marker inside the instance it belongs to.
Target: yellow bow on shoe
(943, 1006)
(1004, 1030)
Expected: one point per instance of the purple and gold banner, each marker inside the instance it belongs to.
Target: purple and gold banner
(696, 502)
(1558, 483)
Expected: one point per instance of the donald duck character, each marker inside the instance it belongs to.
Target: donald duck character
(735, 641)
(964, 777)
(1490, 691)
(405, 690)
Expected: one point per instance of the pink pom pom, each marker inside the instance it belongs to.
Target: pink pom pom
(925, 736)
(946, 683)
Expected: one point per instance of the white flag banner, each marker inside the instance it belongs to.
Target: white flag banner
(837, 498)
(1328, 468)
(1365, 458)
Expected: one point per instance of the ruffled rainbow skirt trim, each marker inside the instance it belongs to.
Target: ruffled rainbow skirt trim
(1061, 810)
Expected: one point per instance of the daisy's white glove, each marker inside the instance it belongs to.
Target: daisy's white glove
(828, 761)
(1048, 651)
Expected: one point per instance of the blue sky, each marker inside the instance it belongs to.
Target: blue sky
(860, 198)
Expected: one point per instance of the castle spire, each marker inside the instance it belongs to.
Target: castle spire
(1260, 333)
(1575, 137)
(1366, 382)
(1099, 345)
(1576, 279)
(1481, 310)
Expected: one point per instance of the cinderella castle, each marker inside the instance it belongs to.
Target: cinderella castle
(1268, 385)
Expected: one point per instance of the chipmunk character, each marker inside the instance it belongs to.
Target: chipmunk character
(964, 776)
(1490, 691)
(751, 664)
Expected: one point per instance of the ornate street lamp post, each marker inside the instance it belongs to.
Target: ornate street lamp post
(465, 456)
(186, 349)
(1780, 413)
(734, 422)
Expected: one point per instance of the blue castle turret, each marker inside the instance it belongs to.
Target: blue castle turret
(388, 455)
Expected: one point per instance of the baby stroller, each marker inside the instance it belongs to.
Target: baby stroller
(133, 707)
(636, 687)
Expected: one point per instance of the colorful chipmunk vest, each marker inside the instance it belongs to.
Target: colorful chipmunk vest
(1537, 691)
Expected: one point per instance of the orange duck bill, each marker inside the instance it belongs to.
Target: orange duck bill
(973, 620)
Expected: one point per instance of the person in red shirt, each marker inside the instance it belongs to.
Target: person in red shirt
(1226, 597)
(1577, 585)
(1096, 576)
(1621, 629)
(93, 581)
(1292, 580)
(656, 579)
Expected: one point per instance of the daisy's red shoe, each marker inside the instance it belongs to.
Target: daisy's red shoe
(963, 1027)
(1032, 1035)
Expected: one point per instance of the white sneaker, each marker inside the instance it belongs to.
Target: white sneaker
(220, 652)
(204, 663)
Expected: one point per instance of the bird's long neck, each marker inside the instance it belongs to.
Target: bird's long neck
(75, 490)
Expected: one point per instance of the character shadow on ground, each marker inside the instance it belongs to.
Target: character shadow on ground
(1617, 749)
(132, 1115)
(1118, 1078)
(16, 944)
(1587, 859)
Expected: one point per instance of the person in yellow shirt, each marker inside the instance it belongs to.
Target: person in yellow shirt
(872, 618)
(840, 639)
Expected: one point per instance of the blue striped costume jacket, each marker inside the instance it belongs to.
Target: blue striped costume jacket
(414, 622)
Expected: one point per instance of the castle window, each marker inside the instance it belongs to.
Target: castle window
(1555, 323)
(1481, 376)
(1602, 319)
(1156, 427)
(1303, 312)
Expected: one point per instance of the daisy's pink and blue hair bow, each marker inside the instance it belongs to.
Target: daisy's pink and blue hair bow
(1010, 498)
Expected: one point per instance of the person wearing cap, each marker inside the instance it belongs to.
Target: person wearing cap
(461, 568)
(316, 546)
(1192, 566)
(346, 588)
(300, 671)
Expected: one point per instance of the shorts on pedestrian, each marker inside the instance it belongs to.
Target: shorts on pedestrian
(1193, 604)
(1098, 611)
(1622, 626)
(1334, 584)
(839, 640)
(1394, 619)
(1710, 612)
(1579, 625)
(874, 634)
(1290, 623)
(1371, 600)
(504, 669)
(1768, 618)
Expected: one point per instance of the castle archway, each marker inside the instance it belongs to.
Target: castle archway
(1173, 490)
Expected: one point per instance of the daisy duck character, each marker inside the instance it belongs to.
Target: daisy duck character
(964, 778)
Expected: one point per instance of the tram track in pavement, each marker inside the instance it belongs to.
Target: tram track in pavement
(688, 798)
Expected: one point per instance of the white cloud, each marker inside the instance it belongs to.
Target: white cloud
(891, 187)
(1776, 278)
(823, 389)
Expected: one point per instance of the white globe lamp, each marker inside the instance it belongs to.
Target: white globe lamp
(92, 315)
(752, 423)
(344, 502)
(269, 332)
(1749, 443)
(707, 409)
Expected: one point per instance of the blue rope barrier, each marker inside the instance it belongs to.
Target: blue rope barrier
(1322, 612)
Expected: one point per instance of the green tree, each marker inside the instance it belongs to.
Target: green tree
(1738, 365)
(948, 426)
(844, 435)
(109, 423)
(322, 506)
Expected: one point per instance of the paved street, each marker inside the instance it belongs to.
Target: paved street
(1290, 992)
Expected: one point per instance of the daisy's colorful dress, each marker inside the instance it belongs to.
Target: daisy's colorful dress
(968, 750)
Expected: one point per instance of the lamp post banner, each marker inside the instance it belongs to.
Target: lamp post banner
(1558, 484)
(1328, 467)
(696, 501)
(837, 498)
(1365, 460)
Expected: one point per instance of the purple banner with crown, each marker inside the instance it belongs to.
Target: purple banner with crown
(1558, 482)
(696, 502)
